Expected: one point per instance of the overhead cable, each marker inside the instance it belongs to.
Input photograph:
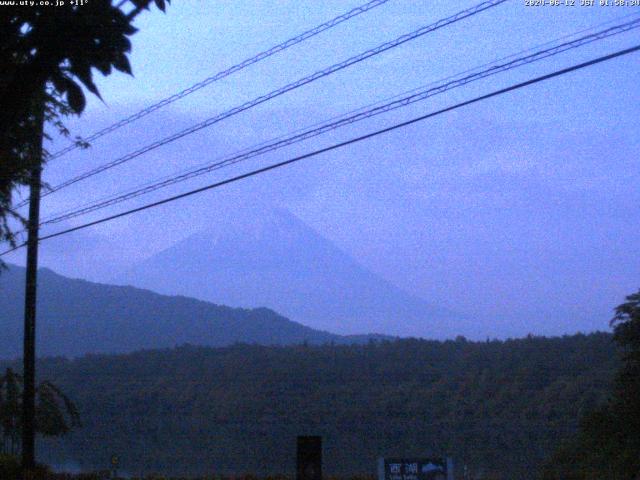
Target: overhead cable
(225, 73)
(313, 132)
(358, 139)
(338, 117)
(280, 91)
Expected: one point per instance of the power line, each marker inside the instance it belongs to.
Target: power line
(361, 138)
(218, 76)
(225, 73)
(281, 91)
(195, 171)
(347, 120)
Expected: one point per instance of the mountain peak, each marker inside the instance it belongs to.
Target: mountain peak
(266, 256)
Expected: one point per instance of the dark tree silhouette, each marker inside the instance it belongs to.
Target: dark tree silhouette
(51, 52)
(56, 414)
(608, 442)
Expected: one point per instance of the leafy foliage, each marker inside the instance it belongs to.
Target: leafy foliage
(498, 407)
(55, 413)
(10, 397)
(47, 56)
(608, 442)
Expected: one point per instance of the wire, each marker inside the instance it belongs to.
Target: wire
(156, 181)
(225, 73)
(218, 76)
(345, 120)
(336, 146)
(281, 91)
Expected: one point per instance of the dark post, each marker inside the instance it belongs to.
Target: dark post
(29, 355)
(309, 458)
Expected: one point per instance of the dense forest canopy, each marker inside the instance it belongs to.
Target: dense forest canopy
(607, 444)
(500, 408)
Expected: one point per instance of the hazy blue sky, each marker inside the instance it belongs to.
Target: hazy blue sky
(521, 210)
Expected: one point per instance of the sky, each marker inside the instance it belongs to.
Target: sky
(520, 210)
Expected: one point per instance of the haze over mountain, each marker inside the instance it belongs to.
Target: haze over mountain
(76, 317)
(268, 257)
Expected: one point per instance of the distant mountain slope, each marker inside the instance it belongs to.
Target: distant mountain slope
(269, 257)
(77, 317)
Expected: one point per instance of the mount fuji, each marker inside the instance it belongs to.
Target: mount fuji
(268, 257)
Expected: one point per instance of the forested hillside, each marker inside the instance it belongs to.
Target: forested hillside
(498, 407)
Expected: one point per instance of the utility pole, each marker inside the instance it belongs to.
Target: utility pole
(29, 354)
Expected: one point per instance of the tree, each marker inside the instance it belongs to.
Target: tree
(56, 414)
(626, 395)
(10, 396)
(51, 52)
(607, 444)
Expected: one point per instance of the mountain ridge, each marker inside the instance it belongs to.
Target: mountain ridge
(77, 316)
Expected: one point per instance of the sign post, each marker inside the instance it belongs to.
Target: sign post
(309, 458)
(114, 466)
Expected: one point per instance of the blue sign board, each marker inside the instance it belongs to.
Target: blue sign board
(415, 469)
